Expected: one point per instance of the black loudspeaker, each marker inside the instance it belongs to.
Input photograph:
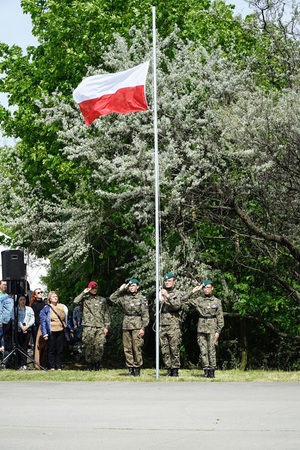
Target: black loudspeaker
(13, 266)
(16, 287)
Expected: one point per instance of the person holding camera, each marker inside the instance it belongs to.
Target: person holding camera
(135, 321)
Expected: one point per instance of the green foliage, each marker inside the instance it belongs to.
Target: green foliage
(275, 26)
(228, 148)
(265, 351)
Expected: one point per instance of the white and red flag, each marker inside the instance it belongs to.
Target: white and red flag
(122, 92)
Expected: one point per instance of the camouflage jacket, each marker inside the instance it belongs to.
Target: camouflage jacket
(209, 309)
(95, 310)
(135, 307)
(171, 309)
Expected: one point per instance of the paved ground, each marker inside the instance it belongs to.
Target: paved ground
(146, 416)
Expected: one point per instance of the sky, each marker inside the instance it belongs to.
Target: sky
(16, 29)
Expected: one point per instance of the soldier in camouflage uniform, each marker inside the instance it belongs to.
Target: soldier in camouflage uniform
(135, 321)
(95, 323)
(210, 323)
(170, 324)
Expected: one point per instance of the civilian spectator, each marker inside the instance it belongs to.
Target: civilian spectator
(25, 322)
(53, 318)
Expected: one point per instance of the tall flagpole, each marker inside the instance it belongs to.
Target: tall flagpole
(157, 271)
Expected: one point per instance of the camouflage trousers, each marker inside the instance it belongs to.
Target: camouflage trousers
(206, 342)
(170, 341)
(94, 340)
(133, 343)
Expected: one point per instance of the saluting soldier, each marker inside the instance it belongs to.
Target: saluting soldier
(95, 323)
(170, 333)
(135, 321)
(210, 323)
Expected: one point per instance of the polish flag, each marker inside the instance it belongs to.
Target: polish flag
(122, 92)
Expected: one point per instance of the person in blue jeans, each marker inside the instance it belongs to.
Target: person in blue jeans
(77, 322)
(6, 316)
(1, 347)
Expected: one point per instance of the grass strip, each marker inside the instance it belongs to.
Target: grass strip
(149, 375)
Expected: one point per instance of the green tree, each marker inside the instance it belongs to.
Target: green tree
(229, 181)
(207, 164)
(275, 28)
(72, 37)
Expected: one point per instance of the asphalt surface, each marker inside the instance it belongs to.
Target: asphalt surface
(146, 416)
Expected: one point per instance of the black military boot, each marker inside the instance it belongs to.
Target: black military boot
(174, 372)
(137, 372)
(206, 373)
(169, 373)
(130, 371)
(211, 373)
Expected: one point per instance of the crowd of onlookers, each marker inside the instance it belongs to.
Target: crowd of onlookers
(32, 322)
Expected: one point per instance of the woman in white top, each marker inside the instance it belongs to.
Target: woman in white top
(25, 322)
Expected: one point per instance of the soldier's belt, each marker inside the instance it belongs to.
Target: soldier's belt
(132, 315)
(207, 317)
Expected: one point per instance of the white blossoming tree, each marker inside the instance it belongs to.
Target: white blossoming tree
(229, 184)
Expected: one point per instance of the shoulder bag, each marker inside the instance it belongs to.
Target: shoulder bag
(66, 329)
